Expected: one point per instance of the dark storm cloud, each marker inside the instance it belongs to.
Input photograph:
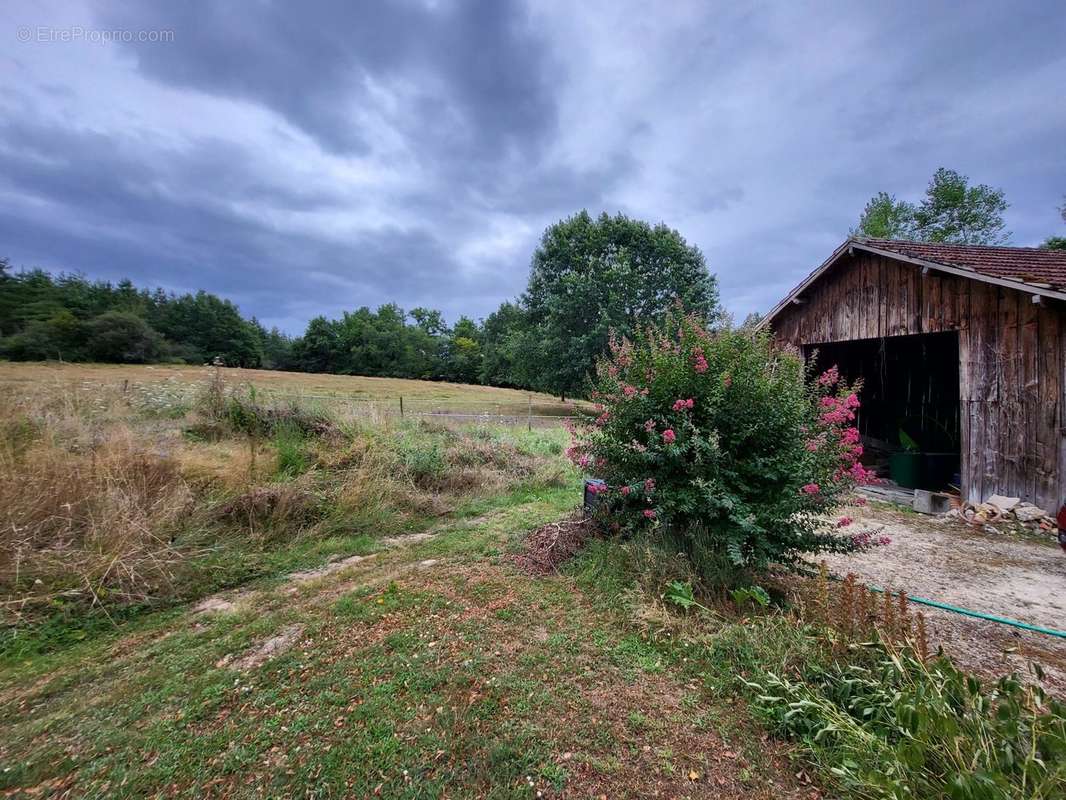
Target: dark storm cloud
(311, 158)
(479, 77)
(132, 211)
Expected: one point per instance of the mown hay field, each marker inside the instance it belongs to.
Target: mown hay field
(385, 392)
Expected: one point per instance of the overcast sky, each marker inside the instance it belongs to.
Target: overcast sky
(307, 158)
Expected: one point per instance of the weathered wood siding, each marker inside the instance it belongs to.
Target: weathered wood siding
(1012, 355)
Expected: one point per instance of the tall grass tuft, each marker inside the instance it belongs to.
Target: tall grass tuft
(91, 526)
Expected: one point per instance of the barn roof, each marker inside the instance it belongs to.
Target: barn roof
(1027, 269)
(1029, 264)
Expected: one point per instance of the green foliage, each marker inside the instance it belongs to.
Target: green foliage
(718, 441)
(952, 211)
(502, 334)
(1054, 243)
(423, 458)
(290, 441)
(754, 595)
(70, 318)
(123, 337)
(385, 343)
(892, 726)
(590, 277)
(885, 217)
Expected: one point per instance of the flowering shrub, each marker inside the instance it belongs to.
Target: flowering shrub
(718, 438)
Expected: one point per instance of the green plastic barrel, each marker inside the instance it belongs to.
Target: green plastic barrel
(905, 469)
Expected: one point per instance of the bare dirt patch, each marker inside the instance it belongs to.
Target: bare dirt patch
(1001, 574)
(306, 575)
(272, 647)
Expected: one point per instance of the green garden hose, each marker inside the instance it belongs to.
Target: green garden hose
(979, 615)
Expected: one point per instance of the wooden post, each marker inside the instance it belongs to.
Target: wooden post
(529, 419)
(401, 406)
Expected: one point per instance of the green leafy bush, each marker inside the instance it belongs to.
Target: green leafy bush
(905, 728)
(719, 439)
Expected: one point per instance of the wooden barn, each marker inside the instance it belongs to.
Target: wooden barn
(962, 352)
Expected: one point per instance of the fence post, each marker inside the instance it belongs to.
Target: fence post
(529, 419)
(401, 406)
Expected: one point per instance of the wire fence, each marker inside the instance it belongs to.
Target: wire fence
(533, 412)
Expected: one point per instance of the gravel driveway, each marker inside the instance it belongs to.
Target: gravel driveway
(1009, 575)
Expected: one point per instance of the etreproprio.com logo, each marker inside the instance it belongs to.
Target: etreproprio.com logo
(77, 33)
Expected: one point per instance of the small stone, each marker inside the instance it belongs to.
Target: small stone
(1003, 504)
(1027, 512)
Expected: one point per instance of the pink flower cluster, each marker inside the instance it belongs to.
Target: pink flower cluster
(578, 456)
(861, 474)
(839, 411)
(628, 390)
(649, 513)
(649, 425)
(699, 361)
(830, 377)
(669, 436)
(649, 485)
(811, 488)
(681, 405)
(866, 540)
(843, 522)
(597, 488)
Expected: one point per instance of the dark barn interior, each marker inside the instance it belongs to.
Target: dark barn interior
(910, 413)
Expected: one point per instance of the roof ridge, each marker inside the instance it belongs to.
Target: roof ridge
(991, 247)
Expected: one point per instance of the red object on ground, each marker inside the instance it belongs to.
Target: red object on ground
(1060, 520)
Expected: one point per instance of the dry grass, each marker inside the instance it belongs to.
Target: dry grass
(353, 387)
(87, 525)
(110, 495)
(855, 613)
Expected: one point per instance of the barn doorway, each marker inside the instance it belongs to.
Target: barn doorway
(910, 414)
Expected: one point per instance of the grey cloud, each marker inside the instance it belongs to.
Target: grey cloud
(412, 151)
(482, 77)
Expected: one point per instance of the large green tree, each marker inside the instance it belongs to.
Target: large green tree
(951, 211)
(591, 276)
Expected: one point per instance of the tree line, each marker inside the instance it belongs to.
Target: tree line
(589, 277)
(69, 318)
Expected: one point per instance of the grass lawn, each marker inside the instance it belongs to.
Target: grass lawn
(433, 669)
